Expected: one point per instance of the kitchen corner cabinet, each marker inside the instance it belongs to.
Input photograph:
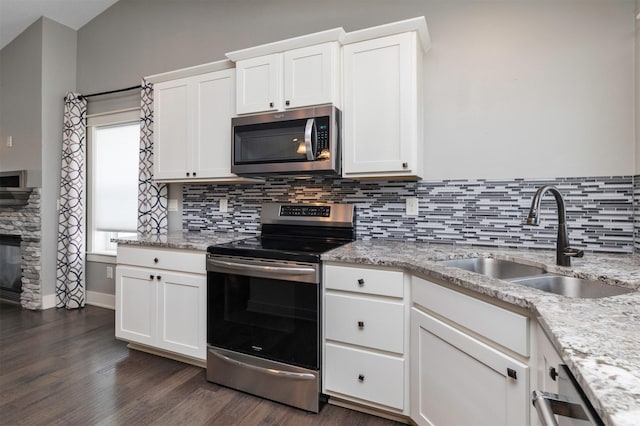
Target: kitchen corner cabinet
(291, 79)
(365, 337)
(192, 127)
(161, 299)
(382, 117)
(466, 371)
(548, 362)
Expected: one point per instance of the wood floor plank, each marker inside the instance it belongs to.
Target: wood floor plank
(60, 367)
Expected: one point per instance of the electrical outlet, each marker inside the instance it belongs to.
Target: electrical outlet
(9, 141)
(224, 205)
(412, 206)
(109, 271)
(172, 205)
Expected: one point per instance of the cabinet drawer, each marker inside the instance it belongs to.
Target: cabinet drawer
(364, 280)
(377, 324)
(365, 375)
(504, 327)
(157, 258)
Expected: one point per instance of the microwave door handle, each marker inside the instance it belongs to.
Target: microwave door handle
(309, 136)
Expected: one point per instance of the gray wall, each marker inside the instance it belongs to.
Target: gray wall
(38, 67)
(506, 82)
(20, 96)
(58, 77)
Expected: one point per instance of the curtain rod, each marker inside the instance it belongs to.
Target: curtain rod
(111, 91)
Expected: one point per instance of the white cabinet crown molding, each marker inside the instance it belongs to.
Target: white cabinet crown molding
(419, 25)
(190, 71)
(335, 34)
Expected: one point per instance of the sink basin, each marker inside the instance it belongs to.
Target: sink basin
(571, 286)
(495, 268)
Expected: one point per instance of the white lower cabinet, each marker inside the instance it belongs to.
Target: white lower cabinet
(458, 380)
(548, 361)
(158, 307)
(461, 378)
(366, 375)
(365, 337)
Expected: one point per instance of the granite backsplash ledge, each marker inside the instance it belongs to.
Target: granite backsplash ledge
(491, 213)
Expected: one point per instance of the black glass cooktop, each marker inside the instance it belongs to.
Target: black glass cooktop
(296, 232)
(295, 249)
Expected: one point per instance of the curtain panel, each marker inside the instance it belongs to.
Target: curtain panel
(70, 268)
(152, 196)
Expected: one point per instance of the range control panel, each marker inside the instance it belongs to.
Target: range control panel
(307, 211)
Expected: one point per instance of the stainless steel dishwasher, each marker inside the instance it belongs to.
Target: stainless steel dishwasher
(570, 407)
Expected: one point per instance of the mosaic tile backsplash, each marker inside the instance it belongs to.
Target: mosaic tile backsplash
(636, 200)
(600, 211)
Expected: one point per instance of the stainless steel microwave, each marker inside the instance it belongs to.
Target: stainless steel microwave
(300, 141)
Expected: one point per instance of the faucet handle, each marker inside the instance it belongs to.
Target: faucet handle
(573, 252)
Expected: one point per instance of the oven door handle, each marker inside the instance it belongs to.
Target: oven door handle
(268, 371)
(285, 270)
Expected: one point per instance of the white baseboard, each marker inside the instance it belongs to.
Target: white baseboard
(48, 301)
(103, 300)
(93, 298)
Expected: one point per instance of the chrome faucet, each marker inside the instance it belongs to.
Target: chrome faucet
(564, 253)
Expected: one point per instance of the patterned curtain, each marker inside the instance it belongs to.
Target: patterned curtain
(152, 196)
(70, 276)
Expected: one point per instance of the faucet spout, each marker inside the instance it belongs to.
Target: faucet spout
(564, 253)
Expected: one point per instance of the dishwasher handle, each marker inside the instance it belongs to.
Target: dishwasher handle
(547, 404)
(542, 403)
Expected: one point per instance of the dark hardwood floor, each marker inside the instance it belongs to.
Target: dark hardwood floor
(60, 367)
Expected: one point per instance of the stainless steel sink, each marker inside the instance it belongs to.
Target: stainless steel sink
(571, 286)
(495, 268)
(536, 277)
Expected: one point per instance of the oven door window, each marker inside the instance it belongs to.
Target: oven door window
(264, 317)
(272, 142)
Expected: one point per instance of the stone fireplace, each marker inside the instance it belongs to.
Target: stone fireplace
(23, 222)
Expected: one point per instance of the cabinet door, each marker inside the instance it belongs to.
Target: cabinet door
(182, 314)
(310, 75)
(259, 84)
(172, 128)
(458, 380)
(382, 107)
(136, 304)
(548, 361)
(214, 95)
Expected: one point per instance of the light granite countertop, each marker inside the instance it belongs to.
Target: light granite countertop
(182, 240)
(599, 339)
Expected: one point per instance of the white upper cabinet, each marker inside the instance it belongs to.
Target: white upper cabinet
(172, 129)
(382, 113)
(295, 78)
(192, 126)
(259, 84)
(311, 75)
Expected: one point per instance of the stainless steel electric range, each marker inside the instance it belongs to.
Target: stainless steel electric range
(263, 303)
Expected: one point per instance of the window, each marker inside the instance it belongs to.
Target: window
(112, 166)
